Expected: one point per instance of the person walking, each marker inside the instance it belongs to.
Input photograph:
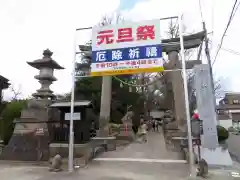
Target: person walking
(135, 131)
(156, 125)
(143, 131)
(153, 125)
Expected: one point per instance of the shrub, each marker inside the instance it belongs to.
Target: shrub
(223, 133)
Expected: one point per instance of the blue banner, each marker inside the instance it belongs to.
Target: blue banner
(126, 54)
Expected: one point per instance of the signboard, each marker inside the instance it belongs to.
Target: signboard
(129, 48)
(76, 116)
(39, 131)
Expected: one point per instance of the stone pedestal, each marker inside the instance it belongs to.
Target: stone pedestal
(81, 151)
(108, 143)
(30, 137)
(218, 157)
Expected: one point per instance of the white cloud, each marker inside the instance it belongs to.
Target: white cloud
(30, 26)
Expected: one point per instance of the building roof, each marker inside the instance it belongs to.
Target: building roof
(223, 117)
(4, 82)
(3, 78)
(68, 104)
(46, 61)
(228, 106)
(232, 93)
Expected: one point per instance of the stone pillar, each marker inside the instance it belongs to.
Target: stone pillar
(205, 106)
(210, 151)
(178, 90)
(105, 105)
(169, 100)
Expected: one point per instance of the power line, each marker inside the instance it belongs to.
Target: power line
(200, 8)
(212, 15)
(207, 53)
(225, 31)
(231, 51)
(236, 9)
(227, 49)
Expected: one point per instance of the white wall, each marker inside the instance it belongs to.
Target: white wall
(157, 114)
(225, 123)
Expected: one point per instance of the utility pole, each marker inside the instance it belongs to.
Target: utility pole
(209, 62)
(184, 75)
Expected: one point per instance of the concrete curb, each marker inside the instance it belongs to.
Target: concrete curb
(235, 157)
(33, 163)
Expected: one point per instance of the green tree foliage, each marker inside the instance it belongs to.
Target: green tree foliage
(90, 89)
(2, 105)
(11, 111)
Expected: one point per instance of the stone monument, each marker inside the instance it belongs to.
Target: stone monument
(30, 139)
(210, 150)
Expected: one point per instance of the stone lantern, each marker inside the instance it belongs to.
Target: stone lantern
(31, 135)
(46, 67)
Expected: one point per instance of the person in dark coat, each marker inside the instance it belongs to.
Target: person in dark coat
(135, 129)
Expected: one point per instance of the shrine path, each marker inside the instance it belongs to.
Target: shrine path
(154, 150)
(149, 161)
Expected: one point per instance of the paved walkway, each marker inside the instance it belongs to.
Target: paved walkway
(153, 150)
(109, 171)
(126, 169)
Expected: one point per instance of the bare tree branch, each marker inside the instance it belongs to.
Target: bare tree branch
(16, 92)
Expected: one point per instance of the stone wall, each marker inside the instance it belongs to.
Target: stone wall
(1, 147)
(26, 147)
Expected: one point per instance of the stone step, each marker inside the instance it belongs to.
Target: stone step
(124, 138)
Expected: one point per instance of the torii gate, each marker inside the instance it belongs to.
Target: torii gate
(174, 83)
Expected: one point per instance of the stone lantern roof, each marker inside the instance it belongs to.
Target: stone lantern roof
(46, 67)
(46, 61)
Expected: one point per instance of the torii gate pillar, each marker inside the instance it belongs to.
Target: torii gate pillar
(178, 90)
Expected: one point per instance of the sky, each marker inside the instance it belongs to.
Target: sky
(30, 26)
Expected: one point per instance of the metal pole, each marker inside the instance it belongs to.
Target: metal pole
(184, 74)
(71, 132)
